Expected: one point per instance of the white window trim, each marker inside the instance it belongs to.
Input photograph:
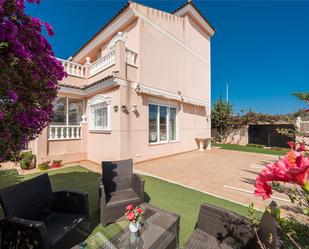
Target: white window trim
(96, 102)
(167, 141)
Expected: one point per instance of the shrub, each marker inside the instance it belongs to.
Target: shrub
(44, 165)
(27, 160)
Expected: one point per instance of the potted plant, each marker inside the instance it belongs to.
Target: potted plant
(135, 217)
(44, 165)
(27, 160)
(56, 164)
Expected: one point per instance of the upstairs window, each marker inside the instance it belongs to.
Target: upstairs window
(162, 124)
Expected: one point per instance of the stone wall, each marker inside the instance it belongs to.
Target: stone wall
(234, 136)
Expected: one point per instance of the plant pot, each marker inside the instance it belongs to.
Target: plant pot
(56, 165)
(134, 227)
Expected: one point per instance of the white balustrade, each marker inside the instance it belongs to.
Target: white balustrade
(64, 132)
(102, 63)
(79, 70)
(131, 57)
(72, 68)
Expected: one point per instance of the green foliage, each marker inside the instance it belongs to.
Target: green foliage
(26, 160)
(220, 116)
(302, 96)
(44, 165)
(256, 145)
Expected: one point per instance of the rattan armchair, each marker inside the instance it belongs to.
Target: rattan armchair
(220, 228)
(119, 187)
(37, 218)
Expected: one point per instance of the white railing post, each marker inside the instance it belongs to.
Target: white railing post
(64, 132)
(298, 122)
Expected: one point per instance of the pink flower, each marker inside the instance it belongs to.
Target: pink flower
(292, 168)
(129, 207)
(130, 216)
(291, 144)
(139, 210)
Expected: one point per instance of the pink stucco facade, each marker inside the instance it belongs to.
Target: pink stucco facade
(142, 57)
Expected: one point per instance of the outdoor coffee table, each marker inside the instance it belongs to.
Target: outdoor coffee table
(160, 230)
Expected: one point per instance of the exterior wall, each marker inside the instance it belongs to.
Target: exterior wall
(105, 145)
(192, 123)
(173, 55)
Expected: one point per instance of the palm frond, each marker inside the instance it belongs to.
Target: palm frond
(302, 96)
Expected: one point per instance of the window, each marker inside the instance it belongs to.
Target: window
(162, 124)
(99, 113)
(67, 111)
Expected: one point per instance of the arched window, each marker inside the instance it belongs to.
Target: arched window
(99, 113)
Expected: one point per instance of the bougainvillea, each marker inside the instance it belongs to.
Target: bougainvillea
(29, 73)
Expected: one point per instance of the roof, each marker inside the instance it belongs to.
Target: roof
(87, 86)
(194, 6)
(104, 26)
(126, 6)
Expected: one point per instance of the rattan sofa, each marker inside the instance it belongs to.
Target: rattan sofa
(118, 187)
(37, 218)
(219, 228)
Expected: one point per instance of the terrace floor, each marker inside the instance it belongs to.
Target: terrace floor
(223, 173)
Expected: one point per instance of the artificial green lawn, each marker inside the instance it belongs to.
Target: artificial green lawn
(237, 147)
(183, 201)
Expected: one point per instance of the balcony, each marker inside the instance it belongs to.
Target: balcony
(88, 70)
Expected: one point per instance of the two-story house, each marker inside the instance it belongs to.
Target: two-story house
(139, 88)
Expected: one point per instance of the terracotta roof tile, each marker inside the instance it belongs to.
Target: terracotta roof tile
(87, 86)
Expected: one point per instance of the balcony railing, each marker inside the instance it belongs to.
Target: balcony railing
(79, 70)
(64, 132)
(73, 68)
(102, 63)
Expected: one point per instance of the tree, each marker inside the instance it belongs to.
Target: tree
(220, 116)
(28, 77)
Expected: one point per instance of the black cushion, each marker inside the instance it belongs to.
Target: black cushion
(122, 196)
(201, 240)
(58, 225)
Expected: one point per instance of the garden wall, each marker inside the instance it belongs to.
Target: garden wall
(234, 136)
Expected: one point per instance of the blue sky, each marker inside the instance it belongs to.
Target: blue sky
(261, 48)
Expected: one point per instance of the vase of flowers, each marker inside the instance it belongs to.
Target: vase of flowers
(135, 217)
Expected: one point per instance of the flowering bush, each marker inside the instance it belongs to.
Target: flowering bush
(134, 214)
(28, 77)
(292, 168)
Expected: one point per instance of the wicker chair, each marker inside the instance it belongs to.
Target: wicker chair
(269, 228)
(37, 218)
(119, 187)
(219, 228)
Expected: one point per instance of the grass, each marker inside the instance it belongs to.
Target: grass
(183, 201)
(277, 152)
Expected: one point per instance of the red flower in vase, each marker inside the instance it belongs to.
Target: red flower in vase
(129, 207)
(130, 216)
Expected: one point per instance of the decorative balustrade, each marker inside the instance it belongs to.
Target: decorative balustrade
(131, 57)
(99, 65)
(64, 132)
(102, 63)
(72, 68)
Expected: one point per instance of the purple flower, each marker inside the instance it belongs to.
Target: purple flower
(13, 96)
(49, 29)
